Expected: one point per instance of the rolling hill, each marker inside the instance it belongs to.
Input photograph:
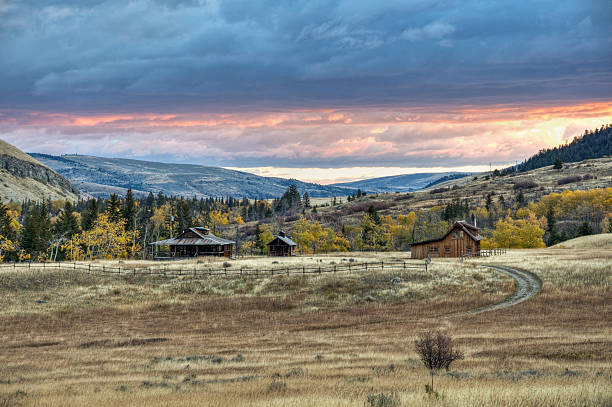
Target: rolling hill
(400, 183)
(103, 176)
(24, 178)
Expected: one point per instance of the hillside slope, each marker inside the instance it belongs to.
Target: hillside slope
(24, 178)
(399, 183)
(588, 174)
(102, 176)
(601, 241)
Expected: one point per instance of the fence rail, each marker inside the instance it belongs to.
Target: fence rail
(196, 271)
(483, 253)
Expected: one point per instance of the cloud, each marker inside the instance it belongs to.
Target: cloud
(228, 55)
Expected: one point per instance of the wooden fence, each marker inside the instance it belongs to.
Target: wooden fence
(483, 253)
(196, 271)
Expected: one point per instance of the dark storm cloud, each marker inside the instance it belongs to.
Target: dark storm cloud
(233, 55)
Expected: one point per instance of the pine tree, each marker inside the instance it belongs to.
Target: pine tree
(67, 224)
(306, 200)
(558, 164)
(112, 209)
(374, 214)
(129, 211)
(90, 215)
(36, 233)
(183, 215)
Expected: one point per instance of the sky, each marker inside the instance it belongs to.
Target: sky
(323, 91)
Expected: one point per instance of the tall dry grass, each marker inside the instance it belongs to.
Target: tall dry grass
(333, 340)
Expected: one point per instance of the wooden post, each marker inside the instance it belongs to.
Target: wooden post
(89, 269)
(382, 265)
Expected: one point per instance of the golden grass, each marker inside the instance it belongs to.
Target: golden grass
(287, 341)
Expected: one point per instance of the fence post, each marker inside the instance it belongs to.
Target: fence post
(382, 265)
(287, 270)
(103, 269)
(426, 264)
(404, 265)
(366, 266)
(241, 271)
(303, 270)
(89, 269)
(119, 270)
(74, 265)
(225, 269)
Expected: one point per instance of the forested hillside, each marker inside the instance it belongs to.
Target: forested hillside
(593, 144)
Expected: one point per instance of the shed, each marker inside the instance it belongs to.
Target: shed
(198, 241)
(462, 238)
(282, 245)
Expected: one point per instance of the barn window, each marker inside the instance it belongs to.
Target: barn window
(455, 235)
(433, 249)
(469, 250)
(461, 234)
(446, 249)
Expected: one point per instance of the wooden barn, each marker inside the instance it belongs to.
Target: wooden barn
(197, 241)
(282, 245)
(461, 239)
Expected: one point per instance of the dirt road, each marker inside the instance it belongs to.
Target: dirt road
(527, 285)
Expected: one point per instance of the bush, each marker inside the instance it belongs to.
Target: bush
(569, 180)
(383, 400)
(525, 185)
(438, 190)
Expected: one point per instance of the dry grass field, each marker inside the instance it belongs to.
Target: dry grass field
(70, 338)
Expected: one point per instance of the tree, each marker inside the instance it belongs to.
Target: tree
(437, 352)
(36, 233)
(558, 164)
(112, 209)
(67, 223)
(90, 215)
(306, 200)
(129, 211)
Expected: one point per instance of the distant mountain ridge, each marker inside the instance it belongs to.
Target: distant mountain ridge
(24, 178)
(401, 183)
(101, 177)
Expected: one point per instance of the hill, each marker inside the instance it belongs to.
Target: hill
(24, 178)
(400, 183)
(534, 184)
(593, 144)
(102, 176)
(601, 241)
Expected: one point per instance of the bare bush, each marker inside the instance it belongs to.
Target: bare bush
(569, 180)
(529, 184)
(436, 352)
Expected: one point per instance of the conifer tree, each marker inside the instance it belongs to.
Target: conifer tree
(36, 233)
(129, 211)
(112, 209)
(90, 215)
(306, 200)
(67, 224)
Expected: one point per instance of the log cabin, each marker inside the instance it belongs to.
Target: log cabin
(461, 239)
(282, 245)
(198, 241)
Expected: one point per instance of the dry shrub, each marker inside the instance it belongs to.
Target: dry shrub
(529, 184)
(569, 180)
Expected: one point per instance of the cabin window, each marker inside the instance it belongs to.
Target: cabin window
(446, 249)
(461, 234)
(455, 235)
(469, 250)
(433, 249)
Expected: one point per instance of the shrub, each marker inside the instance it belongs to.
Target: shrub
(383, 400)
(529, 184)
(438, 190)
(569, 180)
(227, 264)
(436, 352)
(277, 386)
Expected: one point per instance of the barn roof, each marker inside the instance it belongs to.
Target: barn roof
(283, 239)
(205, 239)
(470, 230)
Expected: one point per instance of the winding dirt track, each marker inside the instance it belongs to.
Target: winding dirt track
(527, 285)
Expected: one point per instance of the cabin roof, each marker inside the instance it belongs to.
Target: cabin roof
(283, 239)
(463, 225)
(205, 239)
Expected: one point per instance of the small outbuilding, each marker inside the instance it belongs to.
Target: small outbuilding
(198, 241)
(461, 239)
(282, 245)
